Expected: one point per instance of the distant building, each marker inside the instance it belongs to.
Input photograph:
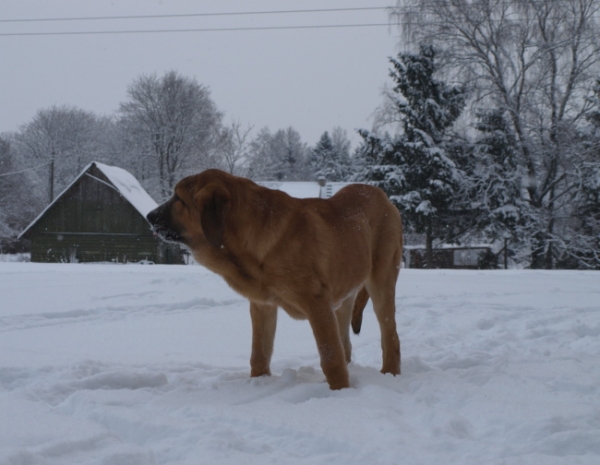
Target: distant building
(466, 257)
(306, 189)
(99, 217)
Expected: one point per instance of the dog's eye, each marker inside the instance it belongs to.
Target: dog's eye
(178, 199)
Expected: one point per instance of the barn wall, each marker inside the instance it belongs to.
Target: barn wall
(92, 206)
(92, 222)
(53, 247)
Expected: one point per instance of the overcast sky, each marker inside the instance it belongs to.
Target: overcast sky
(310, 79)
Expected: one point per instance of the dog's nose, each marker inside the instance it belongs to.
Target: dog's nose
(152, 217)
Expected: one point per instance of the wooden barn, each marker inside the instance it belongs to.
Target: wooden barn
(99, 217)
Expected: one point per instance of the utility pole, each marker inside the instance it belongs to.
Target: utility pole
(51, 180)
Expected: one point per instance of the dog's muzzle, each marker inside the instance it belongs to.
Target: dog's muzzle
(159, 219)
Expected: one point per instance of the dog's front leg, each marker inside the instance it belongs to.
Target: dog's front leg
(333, 357)
(264, 323)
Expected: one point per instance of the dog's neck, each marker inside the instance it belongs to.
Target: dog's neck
(246, 243)
(261, 225)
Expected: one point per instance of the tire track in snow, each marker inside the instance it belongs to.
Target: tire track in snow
(107, 313)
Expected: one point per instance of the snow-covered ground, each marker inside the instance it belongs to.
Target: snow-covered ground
(131, 365)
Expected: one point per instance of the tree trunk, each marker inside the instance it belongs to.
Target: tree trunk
(52, 179)
(538, 254)
(429, 247)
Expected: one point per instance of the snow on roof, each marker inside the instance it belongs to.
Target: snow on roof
(305, 190)
(129, 187)
(301, 190)
(123, 181)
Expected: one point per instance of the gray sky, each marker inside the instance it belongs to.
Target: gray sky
(311, 79)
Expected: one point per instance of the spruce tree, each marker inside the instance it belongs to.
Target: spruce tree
(330, 161)
(414, 167)
(499, 209)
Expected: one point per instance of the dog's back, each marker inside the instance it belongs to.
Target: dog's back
(352, 239)
(361, 204)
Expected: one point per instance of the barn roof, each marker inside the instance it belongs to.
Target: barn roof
(121, 180)
(129, 187)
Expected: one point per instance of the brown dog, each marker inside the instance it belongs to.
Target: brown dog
(310, 257)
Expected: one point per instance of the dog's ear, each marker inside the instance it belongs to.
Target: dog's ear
(213, 202)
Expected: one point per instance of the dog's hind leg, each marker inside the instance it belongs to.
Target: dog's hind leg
(264, 323)
(344, 316)
(384, 306)
(381, 286)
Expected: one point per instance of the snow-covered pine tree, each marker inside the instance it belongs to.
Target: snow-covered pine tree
(414, 167)
(584, 245)
(381, 163)
(500, 211)
(594, 114)
(330, 160)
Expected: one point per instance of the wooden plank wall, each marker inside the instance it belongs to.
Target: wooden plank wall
(92, 222)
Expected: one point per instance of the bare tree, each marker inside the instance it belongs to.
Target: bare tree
(7, 186)
(64, 139)
(174, 121)
(234, 147)
(18, 200)
(340, 140)
(281, 156)
(533, 60)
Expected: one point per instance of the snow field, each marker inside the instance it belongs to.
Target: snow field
(108, 364)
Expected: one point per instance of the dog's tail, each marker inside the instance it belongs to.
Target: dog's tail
(359, 306)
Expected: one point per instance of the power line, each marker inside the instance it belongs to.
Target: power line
(23, 171)
(223, 29)
(233, 29)
(192, 15)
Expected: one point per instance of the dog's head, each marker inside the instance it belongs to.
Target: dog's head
(197, 212)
